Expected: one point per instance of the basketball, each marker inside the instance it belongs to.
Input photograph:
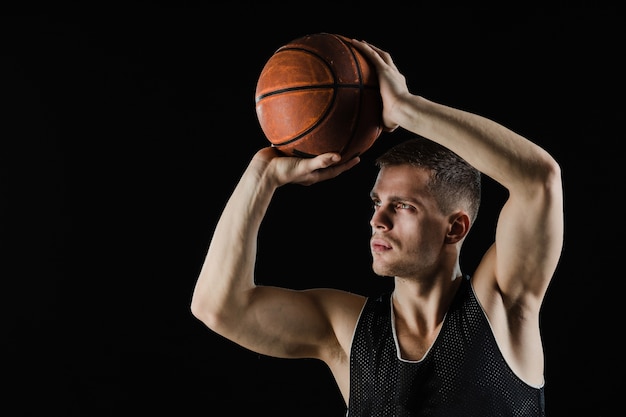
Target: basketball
(319, 94)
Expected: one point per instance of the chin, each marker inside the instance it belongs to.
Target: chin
(381, 270)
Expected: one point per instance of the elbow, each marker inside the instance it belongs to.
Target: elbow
(546, 173)
(546, 189)
(539, 180)
(551, 175)
(195, 308)
(201, 311)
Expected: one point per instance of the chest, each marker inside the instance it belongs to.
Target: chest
(413, 345)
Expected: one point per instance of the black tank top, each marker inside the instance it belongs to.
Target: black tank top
(463, 373)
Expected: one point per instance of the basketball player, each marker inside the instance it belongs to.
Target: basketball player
(441, 343)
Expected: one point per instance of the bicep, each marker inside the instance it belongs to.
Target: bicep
(528, 243)
(289, 323)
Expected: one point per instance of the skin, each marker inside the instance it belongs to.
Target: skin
(412, 241)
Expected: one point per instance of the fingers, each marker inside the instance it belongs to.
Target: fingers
(325, 160)
(305, 171)
(368, 51)
(324, 167)
(374, 52)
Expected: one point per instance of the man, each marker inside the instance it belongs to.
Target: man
(441, 343)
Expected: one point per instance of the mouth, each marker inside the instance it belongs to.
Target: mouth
(379, 245)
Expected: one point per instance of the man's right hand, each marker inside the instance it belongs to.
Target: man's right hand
(304, 171)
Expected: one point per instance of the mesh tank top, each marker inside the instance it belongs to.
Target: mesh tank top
(462, 375)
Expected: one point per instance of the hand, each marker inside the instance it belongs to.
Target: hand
(393, 86)
(303, 171)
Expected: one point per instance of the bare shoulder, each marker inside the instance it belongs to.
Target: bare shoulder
(343, 309)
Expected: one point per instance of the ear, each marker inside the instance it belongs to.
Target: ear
(458, 227)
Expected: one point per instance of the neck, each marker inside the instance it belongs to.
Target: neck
(421, 305)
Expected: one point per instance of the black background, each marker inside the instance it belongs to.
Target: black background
(126, 126)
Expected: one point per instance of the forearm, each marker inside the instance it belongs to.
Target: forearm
(228, 270)
(492, 148)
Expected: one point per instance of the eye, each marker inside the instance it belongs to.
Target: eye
(404, 206)
(376, 202)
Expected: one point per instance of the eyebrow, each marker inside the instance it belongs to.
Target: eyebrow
(398, 198)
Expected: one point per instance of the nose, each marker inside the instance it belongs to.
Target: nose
(380, 220)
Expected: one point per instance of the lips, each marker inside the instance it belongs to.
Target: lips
(379, 245)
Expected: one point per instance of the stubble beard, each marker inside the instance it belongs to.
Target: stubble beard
(393, 269)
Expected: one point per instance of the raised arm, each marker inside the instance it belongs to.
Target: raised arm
(529, 235)
(268, 320)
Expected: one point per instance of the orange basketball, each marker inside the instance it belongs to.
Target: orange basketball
(319, 94)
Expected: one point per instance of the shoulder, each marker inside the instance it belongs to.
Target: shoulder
(341, 308)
